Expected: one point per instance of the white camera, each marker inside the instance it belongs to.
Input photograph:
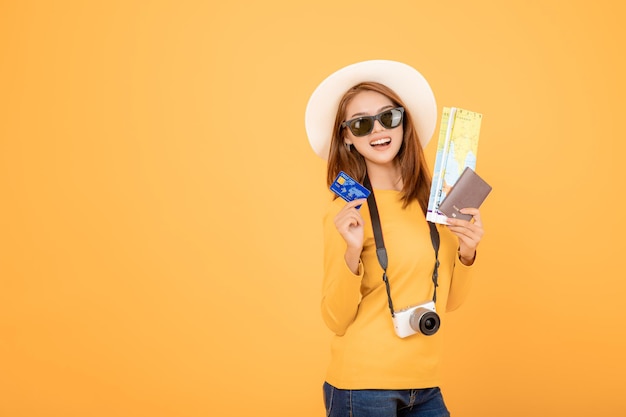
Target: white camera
(417, 319)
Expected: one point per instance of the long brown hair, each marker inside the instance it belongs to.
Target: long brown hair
(410, 157)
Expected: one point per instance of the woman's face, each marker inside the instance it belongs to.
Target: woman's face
(381, 145)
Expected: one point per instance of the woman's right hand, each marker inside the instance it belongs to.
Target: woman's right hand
(349, 224)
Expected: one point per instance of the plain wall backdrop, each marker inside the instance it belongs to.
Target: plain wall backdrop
(160, 216)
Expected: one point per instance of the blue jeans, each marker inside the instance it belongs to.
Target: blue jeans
(426, 402)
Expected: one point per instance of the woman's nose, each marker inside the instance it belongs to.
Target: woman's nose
(378, 127)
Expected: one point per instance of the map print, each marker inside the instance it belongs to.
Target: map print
(457, 147)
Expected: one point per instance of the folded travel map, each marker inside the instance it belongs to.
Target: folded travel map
(457, 147)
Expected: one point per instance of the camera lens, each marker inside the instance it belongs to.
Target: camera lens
(430, 323)
(424, 321)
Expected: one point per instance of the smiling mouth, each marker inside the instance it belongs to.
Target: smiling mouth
(381, 142)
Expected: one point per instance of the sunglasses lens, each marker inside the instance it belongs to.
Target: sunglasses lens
(391, 118)
(361, 126)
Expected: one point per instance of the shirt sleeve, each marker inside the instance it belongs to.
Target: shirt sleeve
(460, 284)
(341, 289)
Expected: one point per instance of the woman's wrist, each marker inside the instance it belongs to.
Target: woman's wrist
(353, 258)
(467, 260)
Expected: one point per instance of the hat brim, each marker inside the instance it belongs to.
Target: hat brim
(403, 79)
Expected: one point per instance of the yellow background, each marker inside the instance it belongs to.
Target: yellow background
(160, 225)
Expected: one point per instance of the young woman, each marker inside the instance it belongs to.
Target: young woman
(372, 120)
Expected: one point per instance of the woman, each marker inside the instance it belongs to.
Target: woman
(372, 120)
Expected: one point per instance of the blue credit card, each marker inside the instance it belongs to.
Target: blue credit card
(348, 188)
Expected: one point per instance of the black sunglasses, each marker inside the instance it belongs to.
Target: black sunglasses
(363, 125)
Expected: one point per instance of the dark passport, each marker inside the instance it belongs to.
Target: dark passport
(470, 190)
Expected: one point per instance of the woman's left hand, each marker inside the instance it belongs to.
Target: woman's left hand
(469, 233)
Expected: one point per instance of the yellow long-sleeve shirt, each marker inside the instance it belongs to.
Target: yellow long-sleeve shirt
(366, 352)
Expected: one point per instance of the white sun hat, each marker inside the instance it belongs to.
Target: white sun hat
(403, 79)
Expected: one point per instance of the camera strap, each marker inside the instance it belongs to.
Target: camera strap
(381, 252)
